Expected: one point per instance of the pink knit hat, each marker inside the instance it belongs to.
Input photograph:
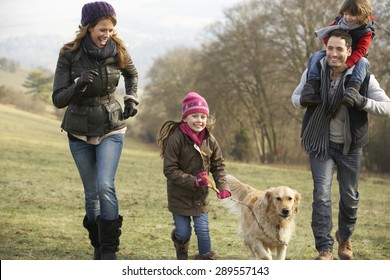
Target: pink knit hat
(194, 103)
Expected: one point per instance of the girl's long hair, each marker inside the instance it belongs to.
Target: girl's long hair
(83, 31)
(168, 127)
(166, 130)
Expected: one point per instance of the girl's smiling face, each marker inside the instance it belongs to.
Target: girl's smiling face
(196, 121)
(101, 32)
(351, 19)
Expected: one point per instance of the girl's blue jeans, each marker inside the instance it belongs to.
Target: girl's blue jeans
(348, 169)
(201, 225)
(97, 165)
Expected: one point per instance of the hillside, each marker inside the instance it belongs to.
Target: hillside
(42, 201)
(14, 80)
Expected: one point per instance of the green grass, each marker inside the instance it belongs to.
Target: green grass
(42, 201)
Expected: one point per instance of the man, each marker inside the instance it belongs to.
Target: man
(333, 135)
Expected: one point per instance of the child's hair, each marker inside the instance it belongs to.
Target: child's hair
(168, 127)
(362, 9)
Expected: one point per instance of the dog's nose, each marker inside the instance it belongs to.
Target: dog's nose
(285, 212)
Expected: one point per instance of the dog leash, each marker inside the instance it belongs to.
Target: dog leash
(259, 225)
(212, 184)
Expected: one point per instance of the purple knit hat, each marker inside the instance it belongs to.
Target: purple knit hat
(95, 10)
(194, 103)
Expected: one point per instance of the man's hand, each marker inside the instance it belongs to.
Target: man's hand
(353, 98)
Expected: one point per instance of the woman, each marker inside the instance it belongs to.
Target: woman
(87, 74)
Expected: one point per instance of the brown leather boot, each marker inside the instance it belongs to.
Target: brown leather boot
(208, 256)
(181, 247)
(345, 248)
(325, 256)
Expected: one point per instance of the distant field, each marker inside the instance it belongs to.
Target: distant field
(42, 201)
(14, 80)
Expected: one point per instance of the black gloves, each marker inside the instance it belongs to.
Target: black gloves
(353, 98)
(310, 94)
(130, 110)
(87, 77)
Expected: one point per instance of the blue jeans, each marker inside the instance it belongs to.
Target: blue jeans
(348, 169)
(97, 165)
(201, 224)
(358, 73)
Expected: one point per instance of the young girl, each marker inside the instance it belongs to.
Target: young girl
(190, 152)
(355, 16)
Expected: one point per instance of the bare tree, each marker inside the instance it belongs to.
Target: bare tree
(376, 154)
(248, 66)
(169, 79)
(239, 61)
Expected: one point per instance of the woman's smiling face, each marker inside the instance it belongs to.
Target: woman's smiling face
(101, 32)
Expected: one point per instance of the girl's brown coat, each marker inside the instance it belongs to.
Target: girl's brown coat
(182, 162)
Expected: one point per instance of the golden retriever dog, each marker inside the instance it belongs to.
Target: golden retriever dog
(267, 217)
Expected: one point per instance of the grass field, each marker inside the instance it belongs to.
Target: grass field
(42, 201)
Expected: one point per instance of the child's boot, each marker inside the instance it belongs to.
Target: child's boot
(208, 256)
(181, 247)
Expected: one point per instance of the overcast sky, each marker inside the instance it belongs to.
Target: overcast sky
(139, 21)
(32, 31)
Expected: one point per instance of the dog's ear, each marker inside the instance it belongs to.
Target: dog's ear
(297, 201)
(267, 200)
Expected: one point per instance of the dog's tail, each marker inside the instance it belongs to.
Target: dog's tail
(239, 192)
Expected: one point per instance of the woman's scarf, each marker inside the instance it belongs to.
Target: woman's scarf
(342, 24)
(315, 137)
(99, 53)
(188, 131)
